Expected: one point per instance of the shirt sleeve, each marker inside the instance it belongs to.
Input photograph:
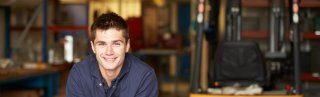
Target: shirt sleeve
(73, 88)
(149, 86)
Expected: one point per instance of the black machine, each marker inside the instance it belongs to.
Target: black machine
(237, 61)
(243, 66)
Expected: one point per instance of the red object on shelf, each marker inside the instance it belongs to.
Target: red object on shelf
(174, 42)
(288, 88)
(135, 33)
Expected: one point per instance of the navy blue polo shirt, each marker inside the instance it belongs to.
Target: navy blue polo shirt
(136, 79)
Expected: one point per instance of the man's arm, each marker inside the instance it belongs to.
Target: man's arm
(149, 86)
(73, 84)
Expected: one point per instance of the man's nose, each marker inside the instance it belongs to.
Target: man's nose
(109, 50)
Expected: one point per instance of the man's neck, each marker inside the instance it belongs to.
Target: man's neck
(109, 75)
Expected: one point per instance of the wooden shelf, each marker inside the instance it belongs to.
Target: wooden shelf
(265, 35)
(311, 36)
(68, 28)
(310, 3)
(265, 3)
(309, 77)
(255, 34)
(255, 3)
(54, 28)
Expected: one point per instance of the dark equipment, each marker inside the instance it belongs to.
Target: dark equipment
(242, 62)
(276, 33)
(233, 20)
(239, 62)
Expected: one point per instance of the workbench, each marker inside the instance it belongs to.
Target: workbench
(210, 95)
(46, 79)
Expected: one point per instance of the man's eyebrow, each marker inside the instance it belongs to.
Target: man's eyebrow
(100, 42)
(118, 41)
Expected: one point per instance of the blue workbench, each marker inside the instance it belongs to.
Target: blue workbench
(46, 79)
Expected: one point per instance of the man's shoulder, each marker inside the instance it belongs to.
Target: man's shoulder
(137, 65)
(85, 64)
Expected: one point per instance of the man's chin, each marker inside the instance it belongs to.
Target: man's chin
(108, 68)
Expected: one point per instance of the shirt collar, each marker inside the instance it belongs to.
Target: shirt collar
(95, 71)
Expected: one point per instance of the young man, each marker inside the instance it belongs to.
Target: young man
(111, 71)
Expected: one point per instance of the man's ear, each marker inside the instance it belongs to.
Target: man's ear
(128, 46)
(92, 47)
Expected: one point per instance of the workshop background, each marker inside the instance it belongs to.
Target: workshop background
(40, 40)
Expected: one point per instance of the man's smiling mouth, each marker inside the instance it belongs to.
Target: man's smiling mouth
(109, 59)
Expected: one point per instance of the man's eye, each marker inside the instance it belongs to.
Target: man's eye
(100, 44)
(116, 43)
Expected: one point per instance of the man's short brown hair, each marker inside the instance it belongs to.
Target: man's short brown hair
(108, 21)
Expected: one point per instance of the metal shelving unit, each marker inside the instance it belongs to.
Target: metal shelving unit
(8, 49)
(45, 29)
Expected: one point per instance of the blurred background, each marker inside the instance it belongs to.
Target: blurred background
(42, 39)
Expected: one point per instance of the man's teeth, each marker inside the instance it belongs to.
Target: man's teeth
(110, 59)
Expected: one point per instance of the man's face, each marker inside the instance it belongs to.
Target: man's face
(110, 47)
